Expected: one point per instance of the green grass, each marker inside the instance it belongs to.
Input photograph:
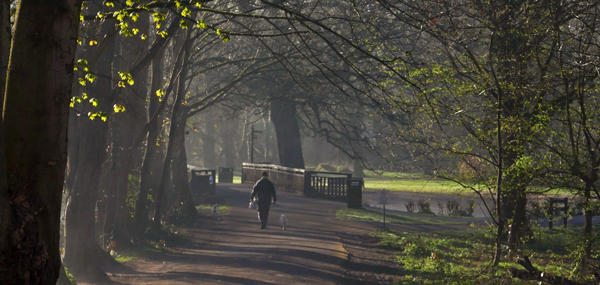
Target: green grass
(453, 257)
(121, 258)
(206, 207)
(412, 185)
(387, 174)
(365, 215)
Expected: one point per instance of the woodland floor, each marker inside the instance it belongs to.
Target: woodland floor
(232, 249)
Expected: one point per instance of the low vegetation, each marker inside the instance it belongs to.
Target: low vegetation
(365, 215)
(463, 257)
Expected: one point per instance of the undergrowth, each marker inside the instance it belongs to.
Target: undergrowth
(464, 257)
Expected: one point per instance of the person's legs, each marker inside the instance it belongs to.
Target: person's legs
(263, 214)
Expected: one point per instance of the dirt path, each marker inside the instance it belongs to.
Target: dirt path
(232, 249)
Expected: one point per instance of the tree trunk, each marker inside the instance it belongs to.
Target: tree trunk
(38, 88)
(150, 165)
(177, 120)
(90, 140)
(228, 130)
(287, 129)
(358, 168)
(209, 141)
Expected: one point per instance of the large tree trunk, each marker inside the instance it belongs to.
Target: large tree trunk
(88, 142)
(5, 213)
(38, 89)
(150, 165)
(177, 121)
(287, 129)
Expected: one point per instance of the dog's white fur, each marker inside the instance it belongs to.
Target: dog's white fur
(215, 208)
(284, 221)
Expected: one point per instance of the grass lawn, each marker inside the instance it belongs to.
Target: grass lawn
(387, 174)
(464, 257)
(412, 185)
(365, 215)
(206, 207)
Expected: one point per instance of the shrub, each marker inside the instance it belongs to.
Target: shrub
(441, 208)
(326, 167)
(453, 207)
(410, 206)
(424, 206)
(468, 211)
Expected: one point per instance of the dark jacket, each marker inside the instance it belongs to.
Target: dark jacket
(264, 190)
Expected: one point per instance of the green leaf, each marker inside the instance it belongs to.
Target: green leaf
(129, 3)
(184, 24)
(225, 37)
(94, 102)
(143, 37)
(186, 12)
(103, 116)
(84, 95)
(135, 31)
(82, 81)
(201, 24)
(90, 77)
(160, 93)
(134, 16)
(121, 84)
(109, 4)
(119, 108)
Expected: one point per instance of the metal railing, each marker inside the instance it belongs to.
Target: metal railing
(310, 183)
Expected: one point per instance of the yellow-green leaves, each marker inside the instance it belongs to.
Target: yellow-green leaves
(184, 24)
(157, 17)
(134, 16)
(125, 76)
(201, 24)
(224, 36)
(143, 37)
(74, 99)
(160, 93)
(109, 4)
(90, 77)
(94, 102)
(186, 12)
(119, 108)
(102, 115)
(83, 64)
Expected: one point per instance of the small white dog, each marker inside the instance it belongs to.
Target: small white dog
(284, 221)
(215, 208)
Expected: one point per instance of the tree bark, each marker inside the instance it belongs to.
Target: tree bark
(150, 165)
(287, 129)
(36, 110)
(209, 141)
(88, 142)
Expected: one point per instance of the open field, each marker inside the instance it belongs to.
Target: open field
(423, 185)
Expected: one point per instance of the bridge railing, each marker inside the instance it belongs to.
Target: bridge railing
(310, 183)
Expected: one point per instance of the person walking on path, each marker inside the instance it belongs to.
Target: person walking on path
(263, 190)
